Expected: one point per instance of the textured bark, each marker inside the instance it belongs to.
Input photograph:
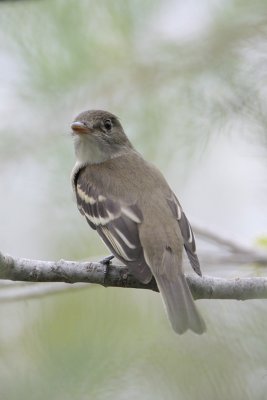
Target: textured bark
(25, 270)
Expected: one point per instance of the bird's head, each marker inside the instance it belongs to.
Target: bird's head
(98, 136)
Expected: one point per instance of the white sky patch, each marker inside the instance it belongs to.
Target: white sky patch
(185, 20)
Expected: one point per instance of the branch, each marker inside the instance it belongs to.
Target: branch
(22, 269)
(19, 269)
(239, 254)
(24, 291)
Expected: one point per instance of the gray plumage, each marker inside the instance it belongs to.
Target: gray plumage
(129, 203)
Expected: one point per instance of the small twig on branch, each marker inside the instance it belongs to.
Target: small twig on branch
(220, 240)
(26, 270)
(36, 290)
(239, 253)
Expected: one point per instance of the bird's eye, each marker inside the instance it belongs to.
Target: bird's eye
(108, 124)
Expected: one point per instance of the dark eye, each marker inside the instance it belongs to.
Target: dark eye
(108, 124)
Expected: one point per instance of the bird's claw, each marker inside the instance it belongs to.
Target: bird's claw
(106, 260)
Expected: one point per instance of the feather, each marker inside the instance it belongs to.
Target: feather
(187, 233)
(116, 223)
(177, 298)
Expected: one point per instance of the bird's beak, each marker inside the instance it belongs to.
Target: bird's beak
(79, 128)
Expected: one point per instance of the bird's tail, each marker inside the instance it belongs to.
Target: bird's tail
(180, 305)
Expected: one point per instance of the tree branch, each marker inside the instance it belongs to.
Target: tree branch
(239, 254)
(29, 290)
(19, 269)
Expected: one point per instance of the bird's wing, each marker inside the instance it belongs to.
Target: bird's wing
(116, 223)
(187, 233)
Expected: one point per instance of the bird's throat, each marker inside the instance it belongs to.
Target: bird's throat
(88, 150)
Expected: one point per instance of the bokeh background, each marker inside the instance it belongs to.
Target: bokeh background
(189, 83)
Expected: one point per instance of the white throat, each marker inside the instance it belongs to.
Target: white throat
(88, 151)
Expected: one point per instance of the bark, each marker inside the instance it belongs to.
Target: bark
(113, 275)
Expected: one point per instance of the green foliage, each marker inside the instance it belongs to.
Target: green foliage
(262, 241)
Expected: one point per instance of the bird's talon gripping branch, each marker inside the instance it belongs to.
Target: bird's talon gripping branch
(106, 261)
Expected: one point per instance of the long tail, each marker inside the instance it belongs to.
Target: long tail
(179, 303)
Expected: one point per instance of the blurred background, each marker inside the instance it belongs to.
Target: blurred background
(189, 83)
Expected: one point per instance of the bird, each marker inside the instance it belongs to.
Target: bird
(129, 203)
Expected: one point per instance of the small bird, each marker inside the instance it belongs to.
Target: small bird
(131, 206)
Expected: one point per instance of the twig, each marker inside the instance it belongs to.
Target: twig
(238, 253)
(36, 290)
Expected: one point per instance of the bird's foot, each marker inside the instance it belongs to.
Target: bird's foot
(106, 260)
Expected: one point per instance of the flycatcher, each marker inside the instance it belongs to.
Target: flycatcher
(131, 206)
